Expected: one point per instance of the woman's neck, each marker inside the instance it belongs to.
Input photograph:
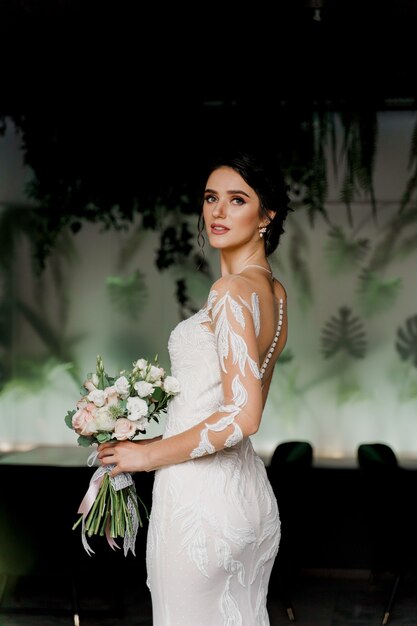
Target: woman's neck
(236, 265)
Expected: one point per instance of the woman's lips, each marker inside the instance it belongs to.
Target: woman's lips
(218, 229)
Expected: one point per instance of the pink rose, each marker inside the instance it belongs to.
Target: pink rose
(83, 420)
(124, 429)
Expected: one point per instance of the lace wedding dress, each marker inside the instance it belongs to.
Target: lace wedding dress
(214, 527)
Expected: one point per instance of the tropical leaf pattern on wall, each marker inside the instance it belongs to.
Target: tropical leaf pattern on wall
(345, 332)
(299, 265)
(407, 246)
(406, 343)
(131, 245)
(359, 150)
(391, 245)
(316, 181)
(193, 279)
(36, 310)
(59, 347)
(303, 142)
(412, 165)
(349, 390)
(128, 295)
(343, 253)
(32, 375)
(375, 293)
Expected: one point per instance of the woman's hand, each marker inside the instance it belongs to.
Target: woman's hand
(127, 456)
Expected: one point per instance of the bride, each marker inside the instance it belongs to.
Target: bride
(214, 528)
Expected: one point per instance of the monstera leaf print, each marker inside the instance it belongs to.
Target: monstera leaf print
(407, 340)
(344, 332)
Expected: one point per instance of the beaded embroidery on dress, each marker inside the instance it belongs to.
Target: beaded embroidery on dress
(214, 527)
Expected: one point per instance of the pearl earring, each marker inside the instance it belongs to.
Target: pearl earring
(262, 230)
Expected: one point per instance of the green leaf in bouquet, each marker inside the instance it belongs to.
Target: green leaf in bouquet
(123, 405)
(85, 441)
(151, 408)
(103, 437)
(106, 382)
(68, 418)
(164, 402)
(158, 394)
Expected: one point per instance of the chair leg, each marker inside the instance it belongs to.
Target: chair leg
(391, 600)
(75, 603)
(286, 598)
(290, 612)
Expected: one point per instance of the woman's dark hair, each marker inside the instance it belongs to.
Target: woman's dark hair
(266, 179)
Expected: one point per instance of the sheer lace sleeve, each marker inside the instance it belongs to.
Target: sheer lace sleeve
(232, 313)
(235, 321)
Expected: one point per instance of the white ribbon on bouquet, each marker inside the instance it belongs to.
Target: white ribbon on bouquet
(121, 481)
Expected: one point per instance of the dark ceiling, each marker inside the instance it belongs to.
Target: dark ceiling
(330, 53)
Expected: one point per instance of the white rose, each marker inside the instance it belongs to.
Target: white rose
(111, 396)
(122, 387)
(89, 385)
(143, 388)
(141, 423)
(136, 408)
(103, 420)
(94, 380)
(141, 364)
(97, 396)
(155, 373)
(171, 385)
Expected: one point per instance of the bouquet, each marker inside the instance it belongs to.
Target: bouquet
(117, 408)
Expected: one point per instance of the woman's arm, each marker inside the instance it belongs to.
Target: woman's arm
(235, 327)
(147, 441)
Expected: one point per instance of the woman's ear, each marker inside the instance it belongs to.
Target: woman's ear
(271, 215)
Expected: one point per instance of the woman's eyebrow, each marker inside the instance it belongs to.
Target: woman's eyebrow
(231, 192)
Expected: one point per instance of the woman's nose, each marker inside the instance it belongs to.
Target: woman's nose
(219, 209)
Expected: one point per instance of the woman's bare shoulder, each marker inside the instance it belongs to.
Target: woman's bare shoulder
(233, 283)
(280, 290)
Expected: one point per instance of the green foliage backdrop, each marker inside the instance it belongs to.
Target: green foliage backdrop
(99, 253)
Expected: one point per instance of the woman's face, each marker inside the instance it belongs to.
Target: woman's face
(231, 210)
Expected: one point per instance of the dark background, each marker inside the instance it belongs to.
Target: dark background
(73, 53)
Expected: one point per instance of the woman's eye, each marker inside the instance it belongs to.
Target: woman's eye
(210, 199)
(239, 201)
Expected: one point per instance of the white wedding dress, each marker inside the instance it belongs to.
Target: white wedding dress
(214, 527)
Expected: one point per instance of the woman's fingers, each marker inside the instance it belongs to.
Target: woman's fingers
(108, 444)
(106, 453)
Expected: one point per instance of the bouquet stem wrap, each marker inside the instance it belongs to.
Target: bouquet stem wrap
(110, 507)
